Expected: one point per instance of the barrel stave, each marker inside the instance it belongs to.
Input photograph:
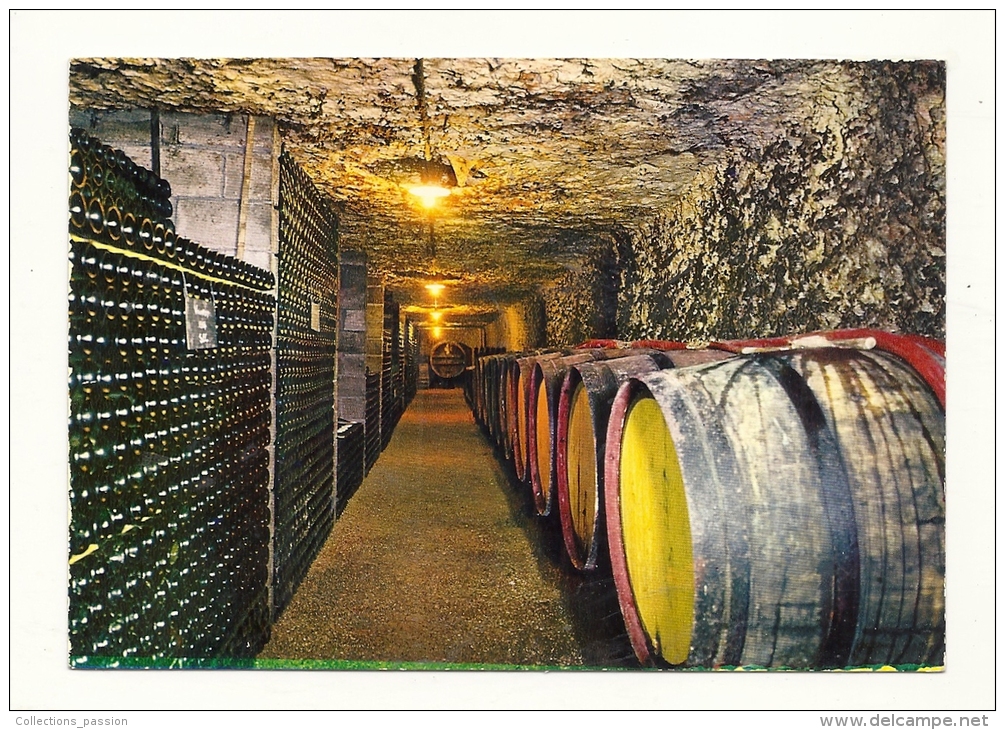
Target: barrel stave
(891, 427)
(579, 487)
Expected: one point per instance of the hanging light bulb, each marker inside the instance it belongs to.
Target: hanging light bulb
(437, 177)
(428, 195)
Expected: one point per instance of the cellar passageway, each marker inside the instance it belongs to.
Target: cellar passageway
(435, 559)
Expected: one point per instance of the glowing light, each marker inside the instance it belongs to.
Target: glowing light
(437, 332)
(435, 289)
(436, 315)
(428, 195)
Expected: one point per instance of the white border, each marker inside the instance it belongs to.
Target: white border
(42, 44)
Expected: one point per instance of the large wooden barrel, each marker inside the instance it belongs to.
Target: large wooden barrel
(478, 384)
(584, 405)
(480, 388)
(480, 395)
(519, 378)
(783, 509)
(890, 430)
(449, 360)
(510, 395)
(493, 365)
(502, 401)
(476, 389)
(926, 356)
(543, 391)
(481, 370)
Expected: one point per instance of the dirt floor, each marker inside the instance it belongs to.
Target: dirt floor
(439, 558)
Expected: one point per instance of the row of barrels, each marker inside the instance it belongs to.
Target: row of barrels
(775, 503)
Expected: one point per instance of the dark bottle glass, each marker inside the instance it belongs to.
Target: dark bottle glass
(145, 235)
(78, 210)
(78, 171)
(129, 229)
(157, 238)
(113, 224)
(96, 216)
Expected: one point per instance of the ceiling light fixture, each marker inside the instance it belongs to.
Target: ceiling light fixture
(435, 290)
(428, 195)
(437, 177)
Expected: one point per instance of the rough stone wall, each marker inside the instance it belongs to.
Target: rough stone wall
(519, 327)
(839, 224)
(582, 304)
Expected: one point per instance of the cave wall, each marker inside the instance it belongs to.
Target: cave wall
(839, 223)
(583, 303)
(519, 327)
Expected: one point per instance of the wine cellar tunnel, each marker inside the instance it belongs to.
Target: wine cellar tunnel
(501, 362)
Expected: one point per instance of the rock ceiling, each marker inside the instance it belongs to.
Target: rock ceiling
(548, 156)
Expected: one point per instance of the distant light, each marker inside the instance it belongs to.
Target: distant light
(436, 315)
(435, 289)
(428, 194)
(437, 332)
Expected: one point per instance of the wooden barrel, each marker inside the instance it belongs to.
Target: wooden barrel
(502, 402)
(449, 360)
(481, 381)
(584, 405)
(779, 510)
(493, 365)
(482, 375)
(503, 397)
(476, 388)
(926, 356)
(543, 392)
(519, 377)
(890, 430)
(499, 382)
(510, 395)
(481, 394)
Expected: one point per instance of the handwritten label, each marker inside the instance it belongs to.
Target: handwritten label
(200, 323)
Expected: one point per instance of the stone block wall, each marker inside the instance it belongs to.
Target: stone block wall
(223, 188)
(351, 367)
(374, 325)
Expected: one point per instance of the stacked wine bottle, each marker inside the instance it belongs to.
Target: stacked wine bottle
(387, 393)
(168, 446)
(305, 357)
(372, 423)
(350, 462)
(411, 348)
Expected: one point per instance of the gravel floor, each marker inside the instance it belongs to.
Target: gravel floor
(437, 558)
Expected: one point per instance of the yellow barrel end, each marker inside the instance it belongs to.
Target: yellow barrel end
(543, 434)
(656, 531)
(581, 470)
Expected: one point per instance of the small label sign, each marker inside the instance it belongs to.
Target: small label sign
(200, 323)
(315, 316)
